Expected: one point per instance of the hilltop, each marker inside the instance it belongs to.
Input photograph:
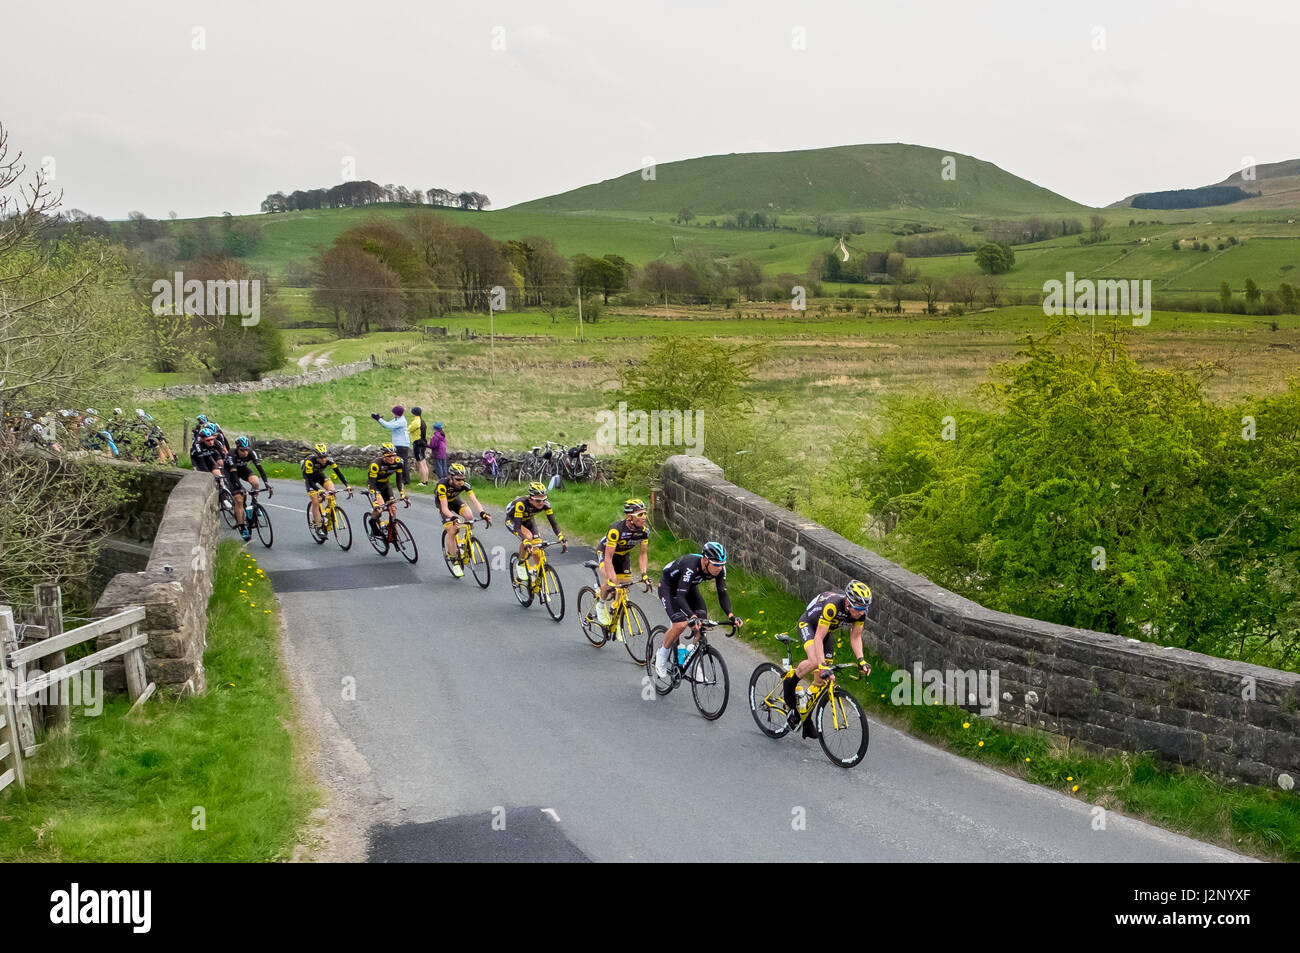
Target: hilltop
(814, 181)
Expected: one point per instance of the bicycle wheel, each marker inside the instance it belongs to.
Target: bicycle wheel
(342, 529)
(405, 542)
(635, 628)
(478, 564)
(317, 534)
(766, 701)
(552, 594)
(263, 521)
(226, 503)
(662, 685)
(842, 728)
(523, 591)
(502, 476)
(592, 629)
(377, 535)
(709, 683)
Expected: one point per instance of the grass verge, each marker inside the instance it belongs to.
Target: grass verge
(206, 778)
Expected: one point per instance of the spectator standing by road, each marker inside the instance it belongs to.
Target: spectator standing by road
(438, 444)
(401, 437)
(419, 432)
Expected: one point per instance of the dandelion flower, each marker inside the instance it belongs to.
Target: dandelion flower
(965, 724)
(981, 744)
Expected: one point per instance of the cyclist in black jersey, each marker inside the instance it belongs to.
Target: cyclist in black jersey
(680, 597)
(453, 507)
(521, 519)
(315, 475)
(382, 469)
(822, 618)
(615, 554)
(208, 455)
(239, 464)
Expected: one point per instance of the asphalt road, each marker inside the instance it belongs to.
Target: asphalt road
(501, 735)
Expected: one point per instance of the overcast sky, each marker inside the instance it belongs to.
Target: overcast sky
(207, 107)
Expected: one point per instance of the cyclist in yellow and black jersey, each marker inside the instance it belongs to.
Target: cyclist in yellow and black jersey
(382, 469)
(315, 474)
(821, 619)
(615, 553)
(453, 508)
(521, 519)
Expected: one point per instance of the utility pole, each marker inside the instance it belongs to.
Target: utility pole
(580, 311)
(492, 341)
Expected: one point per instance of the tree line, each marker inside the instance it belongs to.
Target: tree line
(354, 194)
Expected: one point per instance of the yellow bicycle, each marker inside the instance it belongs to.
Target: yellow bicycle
(843, 733)
(334, 519)
(627, 622)
(469, 552)
(543, 581)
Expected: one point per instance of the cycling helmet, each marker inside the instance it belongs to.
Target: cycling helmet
(714, 553)
(387, 448)
(634, 506)
(322, 449)
(243, 443)
(202, 418)
(537, 489)
(457, 469)
(208, 431)
(858, 596)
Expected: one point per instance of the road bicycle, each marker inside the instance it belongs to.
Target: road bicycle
(627, 622)
(844, 734)
(698, 663)
(543, 581)
(334, 519)
(469, 552)
(384, 533)
(257, 518)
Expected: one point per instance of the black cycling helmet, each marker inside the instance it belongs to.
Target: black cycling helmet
(714, 553)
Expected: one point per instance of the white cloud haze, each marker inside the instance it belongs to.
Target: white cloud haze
(136, 118)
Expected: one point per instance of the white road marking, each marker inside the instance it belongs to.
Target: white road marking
(551, 811)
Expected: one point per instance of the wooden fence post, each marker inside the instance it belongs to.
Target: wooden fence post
(49, 603)
(133, 662)
(22, 715)
(11, 749)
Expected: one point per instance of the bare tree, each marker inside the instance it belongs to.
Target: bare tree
(993, 289)
(964, 288)
(67, 323)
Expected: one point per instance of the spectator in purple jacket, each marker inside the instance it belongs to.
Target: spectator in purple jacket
(438, 444)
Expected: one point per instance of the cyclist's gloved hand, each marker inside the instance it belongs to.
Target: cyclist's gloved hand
(349, 493)
(487, 518)
(406, 502)
(735, 620)
(864, 667)
(645, 582)
(270, 491)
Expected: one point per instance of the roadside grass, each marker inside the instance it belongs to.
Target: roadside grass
(1248, 819)
(129, 790)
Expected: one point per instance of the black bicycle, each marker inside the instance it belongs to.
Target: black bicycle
(702, 666)
(257, 518)
(392, 533)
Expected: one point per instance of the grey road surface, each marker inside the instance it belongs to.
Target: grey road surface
(499, 734)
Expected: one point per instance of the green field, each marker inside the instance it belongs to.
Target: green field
(824, 375)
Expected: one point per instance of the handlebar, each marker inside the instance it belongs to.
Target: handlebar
(706, 624)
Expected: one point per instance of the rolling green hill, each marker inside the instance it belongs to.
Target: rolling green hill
(812, 181)
(1278, 181)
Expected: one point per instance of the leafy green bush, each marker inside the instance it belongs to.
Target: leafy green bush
(1093, 493)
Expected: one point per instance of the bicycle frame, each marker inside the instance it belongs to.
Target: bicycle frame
(815, 691)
